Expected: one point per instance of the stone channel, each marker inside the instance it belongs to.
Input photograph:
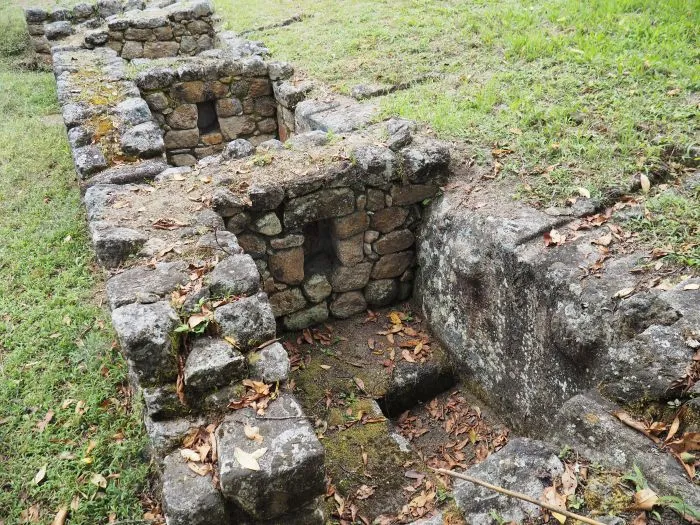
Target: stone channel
(238, 213)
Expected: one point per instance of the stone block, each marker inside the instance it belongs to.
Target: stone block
(237, 223)
(178, 139)
(395, 241)
(322, 204)
(192, 92)
(305, 318)
(425, 162)
(287, 301)
(349, 251)
(280, 70)
(289, 94)
(260, 87)
(212, 138)
(392, 265)
(316, 287)
(268, 125)
(132, 49)
(248, 320)
(523, 465)
(266, 197)
(41, 44)
(144, 284)
(155, 78)
(291, 469)
(188, 498)
(290, 241)
(412, 193)
(228, 107)
(163, 33)
(344, 227)
(145, 333)
(34, 15)
(183, 159)
(88, 160)
(253, 245)
(235, 275)
(143, 141)
(287, 266)
(133, 111)
(234, 127)
(113, 245)
(57, 30)
(133, 33)
(348, 278)
(388, 219)
(266, 224)
(183, 116)
(265, 106)
(271, 364)
(162, 402)
(347, 304)
(382, 292)
(237, 149)
(211, 364)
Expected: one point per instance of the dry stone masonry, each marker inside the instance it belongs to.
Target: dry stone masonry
(228, 205)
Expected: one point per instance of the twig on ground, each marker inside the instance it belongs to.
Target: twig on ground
(518, 495)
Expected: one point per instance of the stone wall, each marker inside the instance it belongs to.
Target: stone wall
(201, 104)
(46, 27)
(183, 28)
(338, 243)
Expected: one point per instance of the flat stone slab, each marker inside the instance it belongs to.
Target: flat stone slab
(145, 285)
(212, 363)
(523, 465)
(188, 498)
(290, 466)
(248, 320)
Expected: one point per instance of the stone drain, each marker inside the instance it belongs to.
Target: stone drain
(233, 210)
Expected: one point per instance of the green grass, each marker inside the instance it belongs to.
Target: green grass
(586, 94)
(56, 347)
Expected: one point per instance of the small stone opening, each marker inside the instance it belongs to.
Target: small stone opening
(318, 248)
(207, 121)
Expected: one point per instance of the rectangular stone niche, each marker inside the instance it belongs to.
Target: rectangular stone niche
(333, 252)
(204, 103)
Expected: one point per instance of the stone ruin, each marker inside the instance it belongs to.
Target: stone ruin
(202, 161)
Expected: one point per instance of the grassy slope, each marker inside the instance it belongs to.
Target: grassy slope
(50, 358)
(589, 90)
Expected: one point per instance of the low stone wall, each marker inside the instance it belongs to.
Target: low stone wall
(183, 28)
(46, 27)
(340, 241)
(201, 104)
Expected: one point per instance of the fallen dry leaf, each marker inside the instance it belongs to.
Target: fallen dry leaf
(645, 499)
(189, 454)
(248, 460)
(99, 480)
(645, 183)
(691, 286)
(40, 475)
(41, 425)
(552, 497)
(364, 492)
(252, 433)
(61, 515)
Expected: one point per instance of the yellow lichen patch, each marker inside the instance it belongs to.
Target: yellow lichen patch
(605, 494)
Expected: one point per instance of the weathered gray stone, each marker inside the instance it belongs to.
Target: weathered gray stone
(237, 149)
(523, 465)
(155, 78)
(88, 160)
(145, 333)
(160, 49)
(265, 197)
(377, 164)
(57, 30)
(392, 265)
(228, 107)
(323, 204)
(96, 37)
(349, 251)
(113, 245)
(316, 287)
(235, 127)
(164, 436)
(183, 116)
(287, 266)
(399, 133)
(107, 8)
(35, 15)
(133, 111)
(338, 117)
(290, 241)
(412, 193)
(289, 94)
(132, 49)
(270, 145)
(226, 203)
(212, 363)
(128, 173)
(144, 284)
(178, 139)
(347, 278)
(237, 223)
(253, 245)
(395, 241)
(344, 227)
(306, 140)
(304, 318)
(287, 301)
(586, 424)
(248, 320)
(83, 11)
(222, 243)
(347, 304)
(266, 224)
(280, 70)
(235, 275)
(188, 498)
(79, 136)
(183, 159)
(426, 162)
(388, 219)
(271, 364)
(144, 140)
(291, 469)
(382, 292)
(162, 402)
